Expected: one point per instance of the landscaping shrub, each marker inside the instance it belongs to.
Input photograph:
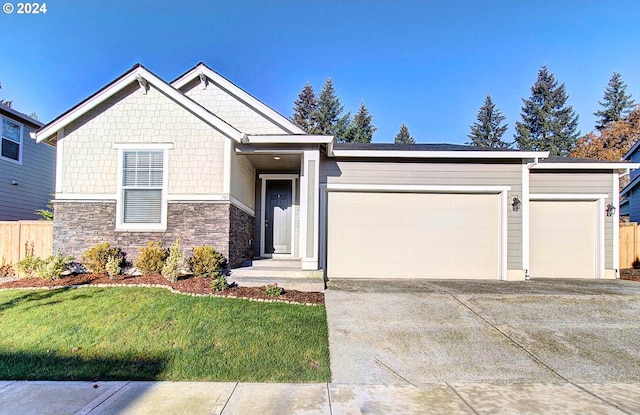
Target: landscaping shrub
(96, 257)
(151, 259)
(48, 269)
(6, 270)
(53, 266)
(206, 262)
(174, 261)
(273, 290)
(219, 283)
(113, 267)
(29, 265)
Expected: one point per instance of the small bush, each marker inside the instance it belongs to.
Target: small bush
(207, 262)
(48, 269)
(6, 270)
(219, 283)
(96, 257)
(113, 268)
(273, 290)
(174, 261)
(52, 267)
(151, 259)
(29, 265)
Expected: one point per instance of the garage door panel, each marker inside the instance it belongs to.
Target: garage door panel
(408, 235)
(563, 239)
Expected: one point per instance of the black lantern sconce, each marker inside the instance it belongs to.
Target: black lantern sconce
(611, 210)
(516, 204)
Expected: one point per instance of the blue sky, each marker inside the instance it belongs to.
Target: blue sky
(428, 63)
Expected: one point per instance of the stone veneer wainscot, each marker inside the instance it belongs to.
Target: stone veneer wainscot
(80, 225)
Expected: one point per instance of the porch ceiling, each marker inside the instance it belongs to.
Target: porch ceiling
(268, 162)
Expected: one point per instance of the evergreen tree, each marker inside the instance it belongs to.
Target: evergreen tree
(617, 103)
(328, 114)
(304, 110)
(360, 129)
(488, 130)
(404, 136)
(548, 123)
(4, 102)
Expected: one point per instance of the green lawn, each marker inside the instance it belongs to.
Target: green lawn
(150, 333)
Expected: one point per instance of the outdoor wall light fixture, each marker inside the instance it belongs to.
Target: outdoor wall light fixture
(516, 204)
(611, 210)
(276, 158)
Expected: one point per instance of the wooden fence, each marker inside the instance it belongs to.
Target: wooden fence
(629, 244)
(18, 238)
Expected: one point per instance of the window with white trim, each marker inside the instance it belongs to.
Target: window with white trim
(11, 146)
(142, 181)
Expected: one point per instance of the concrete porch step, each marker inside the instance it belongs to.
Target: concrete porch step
(284, 273)
(275, 263)
(287, 273)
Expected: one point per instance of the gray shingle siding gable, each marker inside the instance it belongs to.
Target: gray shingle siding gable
(35, 177)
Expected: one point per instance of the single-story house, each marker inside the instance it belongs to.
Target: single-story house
(27, 170)
(630, 195)
(201, 159)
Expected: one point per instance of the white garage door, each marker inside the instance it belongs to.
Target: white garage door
(413, 235)
(563, 239)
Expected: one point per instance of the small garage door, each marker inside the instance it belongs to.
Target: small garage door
(563, 239)
(413, 235)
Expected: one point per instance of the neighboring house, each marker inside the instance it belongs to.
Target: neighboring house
(630, 195)
(200, 159)
(27, 169)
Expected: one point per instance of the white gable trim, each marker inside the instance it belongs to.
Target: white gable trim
(226, 85)
(585, 166)
(134, 76)
(440, 154)
(287, 139)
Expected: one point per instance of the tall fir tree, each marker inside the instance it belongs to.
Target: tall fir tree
(360, 129)
(488, 130)
(304, 110)
(617, 104)
(404, 136)
(548, 123)
(330, 120)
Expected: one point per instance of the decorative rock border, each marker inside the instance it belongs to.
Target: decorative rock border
(166, 287)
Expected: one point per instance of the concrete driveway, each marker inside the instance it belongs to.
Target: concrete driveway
(424, 332)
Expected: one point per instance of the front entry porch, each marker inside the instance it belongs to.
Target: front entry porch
(286, 199)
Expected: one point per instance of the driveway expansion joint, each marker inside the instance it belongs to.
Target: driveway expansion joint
(461, 398)
(380, 362)
(536, 358)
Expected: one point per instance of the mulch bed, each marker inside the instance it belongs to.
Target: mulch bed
(630, 274)
(188, 285)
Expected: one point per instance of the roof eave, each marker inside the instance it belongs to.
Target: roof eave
(585, 166)
(440, 154)
(287, 139)
(22, 117)
(631, 151)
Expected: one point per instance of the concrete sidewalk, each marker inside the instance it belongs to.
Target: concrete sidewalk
(195, 398)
